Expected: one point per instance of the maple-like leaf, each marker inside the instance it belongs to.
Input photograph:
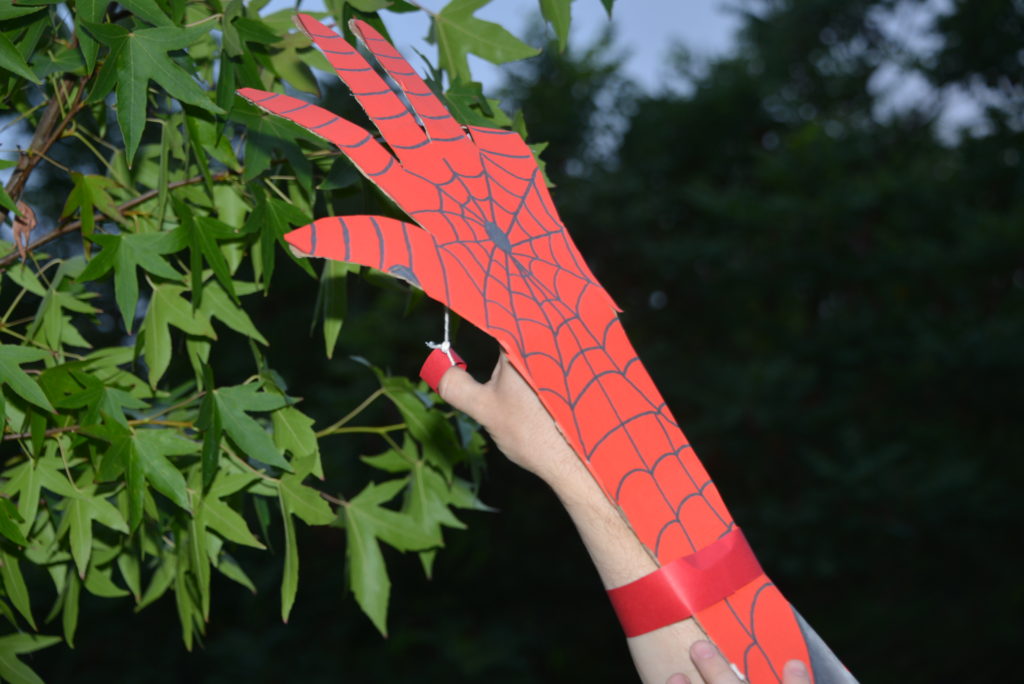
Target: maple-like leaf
(457, 32)
(137, 57)
(89, 194)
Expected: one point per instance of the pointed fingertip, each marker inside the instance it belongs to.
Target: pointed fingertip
(360, 28)
(305, 22)
(252, 95)
(302, 239)
(313, 27)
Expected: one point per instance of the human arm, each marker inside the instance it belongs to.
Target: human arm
(524, 431)
(520, 426)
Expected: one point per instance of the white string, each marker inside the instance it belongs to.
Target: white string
(445, 346)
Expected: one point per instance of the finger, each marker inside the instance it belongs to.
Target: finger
(795, 672)
(433, 115)
(401, 249)
(458, 388)
(712, 666)
(437, 364)
(678, 678)
(369, 156)
(392, 118)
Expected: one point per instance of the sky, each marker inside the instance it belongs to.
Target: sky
(646, 30)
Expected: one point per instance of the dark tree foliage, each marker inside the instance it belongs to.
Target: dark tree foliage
(834, 305)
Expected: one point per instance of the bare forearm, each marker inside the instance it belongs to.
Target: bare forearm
(620, 558)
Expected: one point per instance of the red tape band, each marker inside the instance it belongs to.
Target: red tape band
(437, 364)
(685, 586)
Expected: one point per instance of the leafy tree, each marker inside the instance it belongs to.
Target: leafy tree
(148, 437)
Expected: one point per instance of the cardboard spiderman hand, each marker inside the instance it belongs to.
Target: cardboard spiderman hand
(488, 243)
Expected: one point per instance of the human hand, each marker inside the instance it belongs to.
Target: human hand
(516, 420)
(487, 240)
(716, 670)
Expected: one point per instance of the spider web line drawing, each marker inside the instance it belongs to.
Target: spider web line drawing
(487, 242)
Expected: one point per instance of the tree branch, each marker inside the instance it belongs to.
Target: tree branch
(50, 129)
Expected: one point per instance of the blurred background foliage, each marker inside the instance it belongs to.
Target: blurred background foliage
(831, 297)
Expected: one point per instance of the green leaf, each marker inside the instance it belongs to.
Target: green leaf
(25, 277)
(202, 245)
(135, 482)
(98, 398)
(251, 438)
(200, 564)
(293, 431)
(9, 519)
(227, 522)
(11, 668)
(151, 448)
(88, 194)
(99, 582)
(395, 461)
(209, 422)
(290, 577)
(332, 300)
(288, 64)
(458, 32)
(135, 58)
(427, 502)
(429, 427)
(70, 601)
(231, 40)
(148, 11)
(160, 582)
(217, 304)
(125, 253)
(305, 502)
(468, 105)
(11, 358)
(368, 576)
(558, 13)
(79, 513)
(51, 476)
(128, 564)
(167, 307)
(88, 10)
(12, 61)
(14, 586)
(183, 595)
(366, 521)
(12, 11)
(608, 6)
(370, 5)
(230, 568)
(272, 218)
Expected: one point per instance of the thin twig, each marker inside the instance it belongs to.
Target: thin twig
(351, 414)
(332, 499)
(363, 429)
(50, 129)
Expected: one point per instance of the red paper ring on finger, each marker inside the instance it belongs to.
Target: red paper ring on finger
(437, 364)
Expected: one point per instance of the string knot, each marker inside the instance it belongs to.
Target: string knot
(446, 345)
